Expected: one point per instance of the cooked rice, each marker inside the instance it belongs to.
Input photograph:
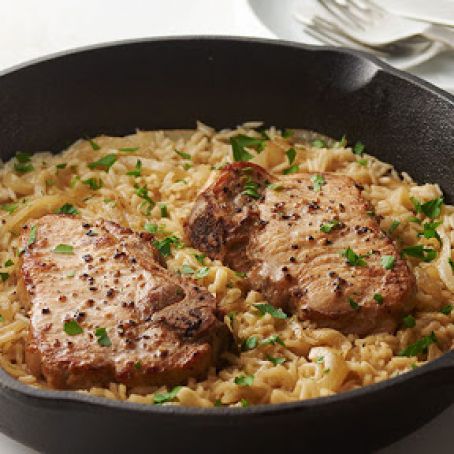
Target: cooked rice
(318, 361)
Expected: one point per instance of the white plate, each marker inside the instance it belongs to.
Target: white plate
(277, 16)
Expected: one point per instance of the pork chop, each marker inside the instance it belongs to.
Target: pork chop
(308, 244)
(103, 308)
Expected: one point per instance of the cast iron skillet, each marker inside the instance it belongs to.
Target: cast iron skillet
(169, 83)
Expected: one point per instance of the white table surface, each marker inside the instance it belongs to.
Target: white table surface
(31, 28)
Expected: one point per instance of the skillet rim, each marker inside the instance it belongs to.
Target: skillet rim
(15, 387)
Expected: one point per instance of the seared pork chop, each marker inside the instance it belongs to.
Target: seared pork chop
(308, 244)
(104, 308)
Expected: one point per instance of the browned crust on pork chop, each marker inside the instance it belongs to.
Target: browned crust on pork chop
(275, 237)
(162, 327)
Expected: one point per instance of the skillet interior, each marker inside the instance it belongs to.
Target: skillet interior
(169, 83)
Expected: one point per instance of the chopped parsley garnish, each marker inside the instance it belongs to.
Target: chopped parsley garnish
(241, 142)
(387, 262)
(273, 340)
(64, 249)
(378, 298)
(186, 269)
(420, 346)
(240, 274)
(23, 164)
(9, 207)
(187, 165)
(201, 272)
(276, 360)
(430, 230)
(103, 338)
(420, 252)
(353, 304)
(151, 228)
(431, 209)
(8, 263)
(414, 219)
(292, 169)
(4, 277)
(93, 183)
(244, 380)
(447, 309)
(328, 226)
(137, 172)
(61, 166)
(353, 258)
(183, 155)
(393, 227)
(200, 258)
(128, 149)
(250, 343)
(147, 201)
(138, 365)
(319, 143)
(286, 133)
(342, 143)
(291, 155)
(451, 263)
(358, 148)
(409, 321)
(320, 359)
(72, 328)
(275, 187)
(67, 208)
(318, 181)
(33, 235)
(275, 312)
(250, 189)
(244, 403)
(164, 212)
(94, 145)
(166, 397)
(362, 162)
(1, 319)
(105, 163)
(164, 245)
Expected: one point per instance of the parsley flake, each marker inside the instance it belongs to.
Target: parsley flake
(354, 305)
(9, 207)
(289, 170)
(273, 340)
(431, 209)
(353, 258)
(93, 183)
(137, 172)
(291, 155)
(275, 187)
(318, 181)
(164, 246)
(72, 328)
(420, 252)
(128, 149)
(319, 143)
(94, 145)
(67, 208)
(446, 310)
(4, 277)
(103, 338)
(200, 258)
(327, 227)
(166, 397)
(429, 230)
(420, 346)
(201, 273)
(358, 148)
(105, 163)
(241, 142)
(61, 166)
(183, 155)
(393, 227)
(64, 249)
(265, 308)
(9, 263)
(244, 403)
(186, 269)
(378, 297)
(244, 380)
(387, 262)
(286, 133)
(250, 343)
(164, 211)
(276, 360)
(250, 189)
(409, 321)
